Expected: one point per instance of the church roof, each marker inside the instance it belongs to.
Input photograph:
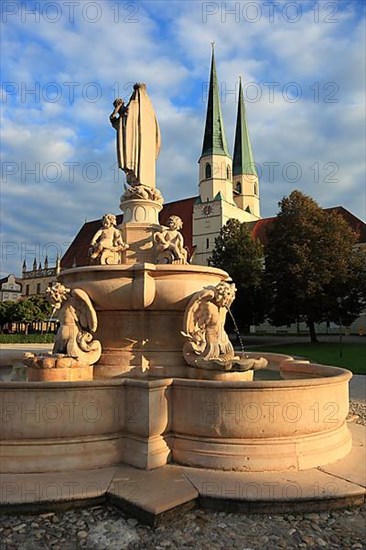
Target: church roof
(259, 228)
(77, 253)
(214, 140)
(357, 225)
(243, 161)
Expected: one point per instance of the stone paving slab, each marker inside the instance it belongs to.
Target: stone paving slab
(28, 489)
(352, 467)
(358, 434)
(311, 484)
(150, 494)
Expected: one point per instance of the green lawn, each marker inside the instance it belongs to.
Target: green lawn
(354, 355)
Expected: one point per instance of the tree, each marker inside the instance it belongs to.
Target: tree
(312, 266)
(25, 311)
(237, 253)
(44, 306)
(5, 313)
(35, 308)
(346, 298)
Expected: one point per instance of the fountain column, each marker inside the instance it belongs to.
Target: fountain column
(140, 223)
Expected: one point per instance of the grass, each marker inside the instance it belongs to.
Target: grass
(353, 356)
(26, 338)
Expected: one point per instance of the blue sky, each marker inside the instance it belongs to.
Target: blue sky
(302, 65)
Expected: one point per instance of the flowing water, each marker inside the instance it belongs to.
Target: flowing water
(237, 332)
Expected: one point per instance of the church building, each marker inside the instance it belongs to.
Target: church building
(228, 187)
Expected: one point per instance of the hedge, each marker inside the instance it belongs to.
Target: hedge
(27, 338)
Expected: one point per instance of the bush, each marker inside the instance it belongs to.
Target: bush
(27, 338)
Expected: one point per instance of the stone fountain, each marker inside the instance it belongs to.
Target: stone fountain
(142, 371)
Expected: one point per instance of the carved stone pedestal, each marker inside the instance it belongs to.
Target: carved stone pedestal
(140, 223)
(228, 376)
(82, 373)
(141, 211)
(141, 242)
(56, 368)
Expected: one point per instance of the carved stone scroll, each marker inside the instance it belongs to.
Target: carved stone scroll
(208, 345)
(78, 322)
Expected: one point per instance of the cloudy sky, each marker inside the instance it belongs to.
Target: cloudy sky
(63, 63)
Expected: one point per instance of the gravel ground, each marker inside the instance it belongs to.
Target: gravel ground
(100, 528)
(105, 528)
(357, 412)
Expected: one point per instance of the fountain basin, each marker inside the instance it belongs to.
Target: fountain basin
(140, 310)
(141, 286)
(269, 425)
(291, 424)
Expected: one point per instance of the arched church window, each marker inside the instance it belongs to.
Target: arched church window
(207, 243)
(255, 189)
(208, 171)
(228, 173)
(238, 187)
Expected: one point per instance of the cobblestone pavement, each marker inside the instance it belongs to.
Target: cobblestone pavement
(100, 528)
(105, 528)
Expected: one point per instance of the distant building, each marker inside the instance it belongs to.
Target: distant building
(10, 289)
(38, 279)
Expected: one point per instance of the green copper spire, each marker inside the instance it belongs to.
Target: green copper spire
(243, 161)
(214, 141)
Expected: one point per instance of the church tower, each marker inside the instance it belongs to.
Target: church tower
(226, 189)
(245, 177)
(215, 173)
(215, 165)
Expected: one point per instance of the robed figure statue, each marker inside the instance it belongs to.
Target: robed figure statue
(138, 137)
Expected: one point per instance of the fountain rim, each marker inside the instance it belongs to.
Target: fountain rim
(335, 376)
(163, 268)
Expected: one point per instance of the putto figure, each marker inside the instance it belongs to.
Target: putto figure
(107, 245)
(208, 346)
(169, 243)
(138, 137)
(78, 320)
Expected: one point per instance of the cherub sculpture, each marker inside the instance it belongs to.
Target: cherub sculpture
(169, 244)
(208, 346)
(78, 320)
(107, 244)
